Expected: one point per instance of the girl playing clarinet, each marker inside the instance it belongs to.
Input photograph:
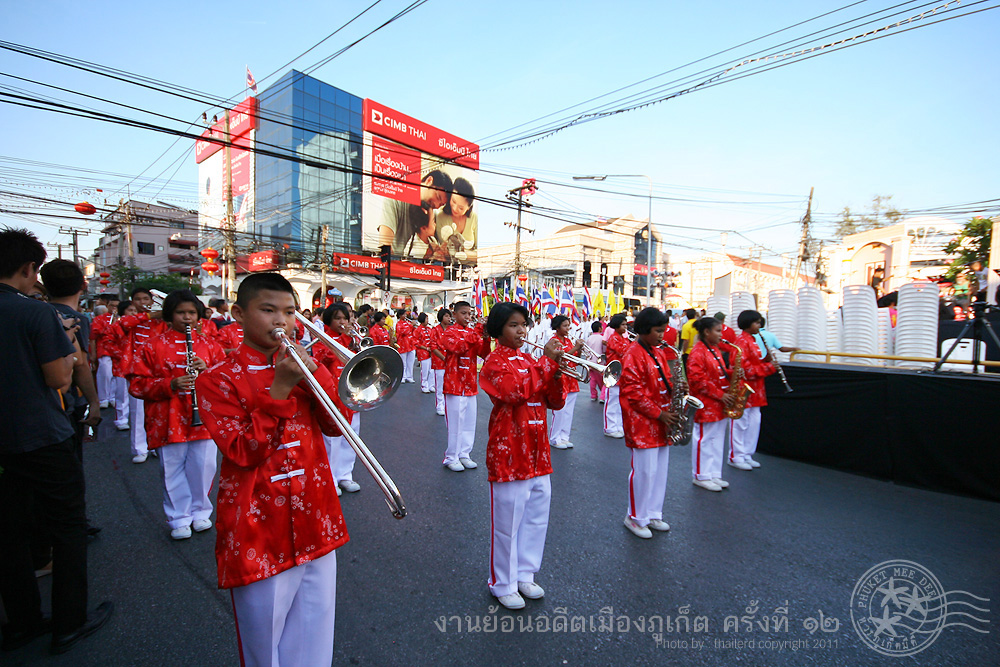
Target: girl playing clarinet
(708, 377)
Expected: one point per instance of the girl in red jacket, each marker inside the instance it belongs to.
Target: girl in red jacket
(160, 378)
(404, 341)
(708, 377)
(562, 420)
(445, 320)
(645, 400)
(756, 367)
(517, 454)
(336, 322)
(422, 343)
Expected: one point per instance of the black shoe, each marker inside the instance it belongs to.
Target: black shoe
(63, 643)
(15, 640)
(92, 530)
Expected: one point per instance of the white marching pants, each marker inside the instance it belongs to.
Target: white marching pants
(188, 472)
(138, 422)
(122, 401)
(426, 376)
(706, 449)
(340, 453)
(743, 436)
(287, 620)
(519, 519)
(613, 411)
(647, 483)
(104, 389)
(562, 420)
(460, 414)
(408, 358)
(439, 389)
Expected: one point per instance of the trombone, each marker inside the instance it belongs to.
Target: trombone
(610, 373)
(392, 497)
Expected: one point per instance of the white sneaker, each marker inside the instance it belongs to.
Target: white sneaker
(753, 464)
(639, 531)
(201, 525)
(659, 524)
(512, 601)
(440, 413)
(182, 533)
(121, 427)
(340, 492)
(569, 445)
(350, 486)
(562, 444)
(140, 458)
(468, 463)
(530, 590)
(740, 465)
(104, 404)
(456, 466)
(721, 482)
(706, 484)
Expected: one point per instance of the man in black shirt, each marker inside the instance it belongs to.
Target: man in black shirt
(42, 477)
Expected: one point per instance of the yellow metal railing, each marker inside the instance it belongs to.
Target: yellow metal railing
(889, 357)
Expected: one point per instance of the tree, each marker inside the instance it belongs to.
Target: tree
(882, 214)
(127, 276)
(972, 243)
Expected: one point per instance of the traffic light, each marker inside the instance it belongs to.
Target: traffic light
(384, 254)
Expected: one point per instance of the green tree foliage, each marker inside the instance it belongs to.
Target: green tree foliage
(972, 243)
(882, 214)
(128, 276)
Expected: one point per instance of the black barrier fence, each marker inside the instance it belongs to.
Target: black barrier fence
(937, 431)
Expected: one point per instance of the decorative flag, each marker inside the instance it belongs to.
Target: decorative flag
(588, 308)
(495, 295)
(575, 317)
(536, 302)
(565, 301)
(251, 84)
(477, 295)
(520, 296)
(548, 302)
(599, 306)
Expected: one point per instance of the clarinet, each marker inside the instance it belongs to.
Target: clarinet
(188, 343)
(774, 362)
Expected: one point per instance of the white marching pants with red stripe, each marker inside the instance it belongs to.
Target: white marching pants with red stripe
(287, 620)
(408, 358)
(743, 436)
(104, 389)
(519, 519)
(647, 483)
(122, 401)
(340, 453)
(562, 420)
(136, 408)
(706, 449)
(188, 472)
(460, 413)
(439, 389)
(426, 376)
(613, 411)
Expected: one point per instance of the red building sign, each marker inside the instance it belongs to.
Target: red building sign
(370, 266)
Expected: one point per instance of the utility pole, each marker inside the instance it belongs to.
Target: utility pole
(322, 271)
(76, 245)
(804, 242)
(60, 246)
(517, 195)
(229, 285)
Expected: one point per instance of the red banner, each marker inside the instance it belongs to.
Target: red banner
(391, 124)
(370, 266)
(263, 261)
(641, 270)
(242, 119)
(396, 162)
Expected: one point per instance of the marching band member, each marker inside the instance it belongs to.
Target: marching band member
(745, 431)
(337, 320)
(230, 337)
(404, 341)
(422, 343)
(462, 344)
(278, 519)
(377, 331)
(517, 454)
(100, 328)
(615, 347)
(645, 398)
(163, 375)
(141, 327)
(115, 342)
(437, 357)
(708, 378)
(562, 419)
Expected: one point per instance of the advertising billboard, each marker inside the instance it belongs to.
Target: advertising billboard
(210, 156)
(419, 189)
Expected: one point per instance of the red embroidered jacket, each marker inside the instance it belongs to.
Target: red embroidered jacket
(670, 336)
(99, 330)
(521, 389)
(404, 335)
(708, 378)
(156, 363)
(379, 334)
(325, 356)
(644, 395)
(230, 337)
(436, 333)
(755, 369)
(616, 347)
(277, 505)
(461, 346)
(570, 383)
(728, 333)
(422, 336)
(115, 341)
(139, 329)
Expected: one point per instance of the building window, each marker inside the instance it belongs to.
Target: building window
(586, 273)
(146, 248)
(177, 224)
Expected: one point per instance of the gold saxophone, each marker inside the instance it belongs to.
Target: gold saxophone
(682, 404)
(738, 387)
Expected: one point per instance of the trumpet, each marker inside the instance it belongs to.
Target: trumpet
(385, 483)
(360, 336)
(610, 373)
(473, 323)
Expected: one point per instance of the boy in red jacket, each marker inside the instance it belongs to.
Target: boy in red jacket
(422, 343)
(279, 519)
(445, 320)
(745, 431)
(404, 342)
(462, 344)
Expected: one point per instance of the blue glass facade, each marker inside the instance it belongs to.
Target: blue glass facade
(303, 117)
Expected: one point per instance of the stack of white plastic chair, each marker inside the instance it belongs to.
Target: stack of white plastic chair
(834, 334)
(782, 319)
(811, 326)
(738, 302)
(884, 335)
(719, 304)
(917, 323)
(860, 316)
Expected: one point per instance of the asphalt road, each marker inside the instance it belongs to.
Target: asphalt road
(413, 592)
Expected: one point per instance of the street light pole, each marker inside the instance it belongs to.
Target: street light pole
(649, 225)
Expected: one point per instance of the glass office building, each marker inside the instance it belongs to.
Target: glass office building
(303, 117)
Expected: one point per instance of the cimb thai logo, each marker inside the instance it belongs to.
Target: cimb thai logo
(376, 116)
(899, 608)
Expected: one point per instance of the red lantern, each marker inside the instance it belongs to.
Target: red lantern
(211, 267)
(86, 208)
(210, 254)
(105, 282)
(105, 274)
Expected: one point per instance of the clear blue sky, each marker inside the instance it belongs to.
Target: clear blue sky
(913, 115)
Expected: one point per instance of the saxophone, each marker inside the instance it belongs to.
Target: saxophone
(682, 404)
(738, 387)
